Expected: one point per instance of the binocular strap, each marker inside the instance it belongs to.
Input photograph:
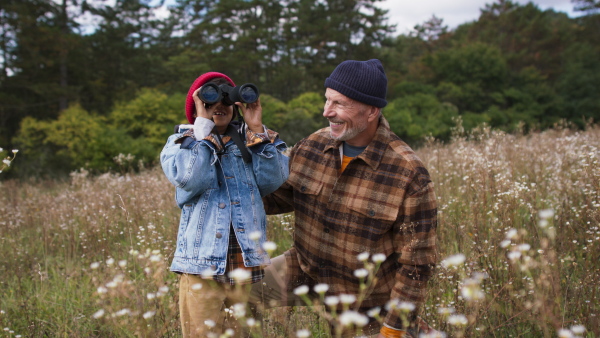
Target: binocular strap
(237, 139)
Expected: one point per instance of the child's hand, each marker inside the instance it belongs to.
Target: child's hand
(252, 115)
(201, 111)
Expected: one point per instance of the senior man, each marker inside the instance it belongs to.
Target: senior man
(363, 203)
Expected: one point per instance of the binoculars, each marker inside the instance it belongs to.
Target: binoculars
(211, 93)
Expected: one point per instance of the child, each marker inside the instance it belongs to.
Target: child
(219, 187)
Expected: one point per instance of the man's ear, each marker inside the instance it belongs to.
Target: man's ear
(373, 113)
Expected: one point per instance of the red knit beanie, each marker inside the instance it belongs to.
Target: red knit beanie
(190, 107)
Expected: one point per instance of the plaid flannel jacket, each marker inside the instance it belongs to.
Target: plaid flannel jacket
(383, 202)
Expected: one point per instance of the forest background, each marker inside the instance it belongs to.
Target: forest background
(106, 99)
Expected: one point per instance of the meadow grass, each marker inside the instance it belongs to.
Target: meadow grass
(519, 236)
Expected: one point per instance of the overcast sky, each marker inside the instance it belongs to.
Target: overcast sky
(408, 13)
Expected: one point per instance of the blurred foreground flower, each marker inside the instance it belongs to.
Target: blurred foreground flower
(458, 320)
(240, 275)
(301, 290)
(269, 247)
(304, 333)
(348, 318)
(454, 260)
(321, 288)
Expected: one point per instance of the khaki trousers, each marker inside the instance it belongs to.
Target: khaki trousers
(202, 301)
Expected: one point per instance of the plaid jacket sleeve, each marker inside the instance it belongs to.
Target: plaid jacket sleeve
(415, 245)
(282, 200)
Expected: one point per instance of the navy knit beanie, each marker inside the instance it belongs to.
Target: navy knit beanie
(363, 81)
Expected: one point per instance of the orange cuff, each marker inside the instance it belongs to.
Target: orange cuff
(391, 333)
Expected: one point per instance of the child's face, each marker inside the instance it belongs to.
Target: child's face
(221, 115)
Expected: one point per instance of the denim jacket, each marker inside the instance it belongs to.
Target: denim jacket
(216, 192)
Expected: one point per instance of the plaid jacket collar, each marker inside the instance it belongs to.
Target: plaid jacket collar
(373, 154)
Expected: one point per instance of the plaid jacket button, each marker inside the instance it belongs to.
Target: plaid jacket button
(371, 213)
(303, 189)
(326, 230)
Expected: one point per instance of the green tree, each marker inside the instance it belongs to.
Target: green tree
(305, 116)
(470, 77)
(416, 116)
(579, 84)
(150, 115)
(588, 6)
(35, 38)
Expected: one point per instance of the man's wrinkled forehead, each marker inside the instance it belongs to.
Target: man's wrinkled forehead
(332, 94)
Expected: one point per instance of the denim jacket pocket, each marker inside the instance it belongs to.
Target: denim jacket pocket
(184, 222)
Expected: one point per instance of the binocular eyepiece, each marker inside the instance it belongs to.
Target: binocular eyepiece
(211, 93)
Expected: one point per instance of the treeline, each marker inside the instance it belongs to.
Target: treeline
(73, 96)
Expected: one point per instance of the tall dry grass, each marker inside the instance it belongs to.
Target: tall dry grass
(519, 229)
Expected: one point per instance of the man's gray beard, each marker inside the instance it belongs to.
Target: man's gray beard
(350, 134)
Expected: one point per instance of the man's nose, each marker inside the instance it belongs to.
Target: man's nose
(327, 111)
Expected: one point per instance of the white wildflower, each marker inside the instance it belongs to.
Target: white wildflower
(471, 290)
(348, 318)
(511, 234)
(98, 314)
(94, 265)
(363, 256)
(255, 235)
(374, 312)
(379, 258)
(446, 311)
(514, 255)
(406, 306)
(347, 299)
(578, 329)
(546, 213)
(524, 247)
(304, 333)
(454, 260)
(208, 273)
(331, 301)
(110, 261)
(122, 312)
(458, 320)
(301, 290)
(239, 310)
(361, 273)
(564, 333)
(269, 246)
(119, 278)
(240, 275)
(505, 243)
(148, 314)
(123, 263)
(102, 290)
(210, 323)
(321, 288)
